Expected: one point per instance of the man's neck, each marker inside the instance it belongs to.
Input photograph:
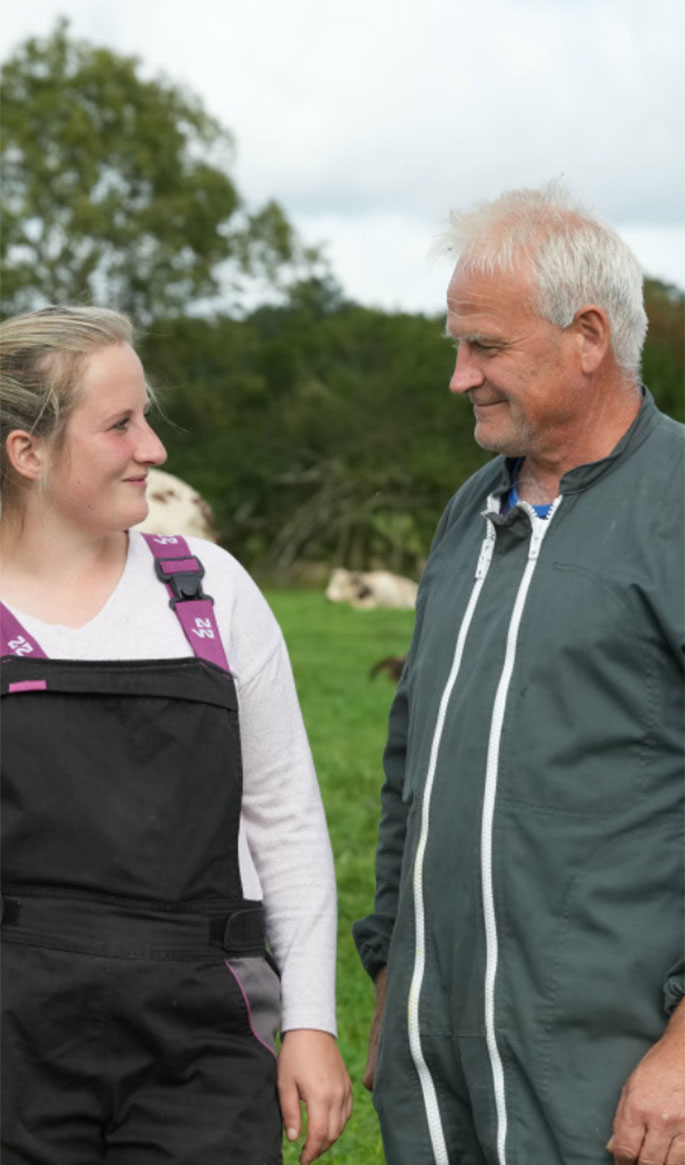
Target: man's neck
(541, 470)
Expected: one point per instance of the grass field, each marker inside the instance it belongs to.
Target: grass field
(332, 648)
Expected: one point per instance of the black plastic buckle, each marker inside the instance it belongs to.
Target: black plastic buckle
(186, 585)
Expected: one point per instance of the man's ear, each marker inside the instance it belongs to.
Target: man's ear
(26, 453)
(593, 330)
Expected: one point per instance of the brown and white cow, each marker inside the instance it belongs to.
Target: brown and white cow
(368, 589)
(176, 508)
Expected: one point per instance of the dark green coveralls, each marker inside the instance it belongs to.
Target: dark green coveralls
(529, 900)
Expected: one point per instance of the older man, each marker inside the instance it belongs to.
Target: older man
(528, 921)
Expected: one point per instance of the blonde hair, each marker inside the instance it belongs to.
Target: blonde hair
(41, 359)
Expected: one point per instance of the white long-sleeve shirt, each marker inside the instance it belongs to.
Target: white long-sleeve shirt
(284, 849)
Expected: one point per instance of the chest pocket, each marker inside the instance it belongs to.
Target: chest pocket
(121, 778)
(594, 713)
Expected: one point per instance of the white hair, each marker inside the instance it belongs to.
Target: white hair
(573, 257)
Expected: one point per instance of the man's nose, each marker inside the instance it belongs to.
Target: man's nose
(467, 373)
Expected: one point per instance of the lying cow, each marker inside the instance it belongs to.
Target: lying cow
(369, 589)
(176, 508)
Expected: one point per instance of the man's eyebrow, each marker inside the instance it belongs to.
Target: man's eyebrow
(473, 338)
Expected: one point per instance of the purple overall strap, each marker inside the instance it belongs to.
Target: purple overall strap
(15, 640)
(175, 565)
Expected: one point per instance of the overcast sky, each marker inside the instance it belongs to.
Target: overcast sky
(369, 119)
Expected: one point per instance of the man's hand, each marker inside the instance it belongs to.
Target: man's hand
(649, 1126)
(310, 1069)
(374, 1034)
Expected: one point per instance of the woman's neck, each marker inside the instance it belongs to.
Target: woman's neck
(58, 575)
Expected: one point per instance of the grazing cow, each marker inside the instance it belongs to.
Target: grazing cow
(366, 590)
(176, 508)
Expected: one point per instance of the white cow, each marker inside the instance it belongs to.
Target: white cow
(369, 589)
(176, 508)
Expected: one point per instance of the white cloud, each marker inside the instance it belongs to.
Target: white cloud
(368, 119)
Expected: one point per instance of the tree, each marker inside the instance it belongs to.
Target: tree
(663, 365)
(117, 188)
(318, 429)
(323, 431)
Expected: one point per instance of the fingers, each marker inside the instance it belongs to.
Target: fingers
(649, 1125)
(676, 1152)
(310, 1069)
(290, 1108)
(327, 1114)
(626, 1147)
(655, 1148)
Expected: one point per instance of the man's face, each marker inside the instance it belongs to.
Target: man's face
(521, 373)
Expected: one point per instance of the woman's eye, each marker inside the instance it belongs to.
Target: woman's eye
(121, 425)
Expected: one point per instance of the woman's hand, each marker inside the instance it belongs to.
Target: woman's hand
(311, 1069)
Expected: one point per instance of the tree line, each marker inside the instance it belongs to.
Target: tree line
(318, 429)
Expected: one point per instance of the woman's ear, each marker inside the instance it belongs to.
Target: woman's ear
(26, 453)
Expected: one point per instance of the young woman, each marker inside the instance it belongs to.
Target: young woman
(157, 783)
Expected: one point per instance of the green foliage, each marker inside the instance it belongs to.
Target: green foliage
(322, 430)
(117, 189)
(317, 430)
(663, 366)
(332, 649)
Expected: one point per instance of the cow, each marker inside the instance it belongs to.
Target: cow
(366, 590)
(176, 508)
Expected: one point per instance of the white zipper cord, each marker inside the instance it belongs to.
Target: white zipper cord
(539, 529)
(430, 1099)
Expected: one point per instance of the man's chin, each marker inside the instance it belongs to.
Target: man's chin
(510, 446)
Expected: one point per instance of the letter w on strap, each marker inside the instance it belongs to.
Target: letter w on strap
(182, 572)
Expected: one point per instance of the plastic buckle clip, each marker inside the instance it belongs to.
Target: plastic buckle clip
(185, 585)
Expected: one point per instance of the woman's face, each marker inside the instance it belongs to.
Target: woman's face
(97, 478)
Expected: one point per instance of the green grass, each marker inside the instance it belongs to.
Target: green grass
(332, 648)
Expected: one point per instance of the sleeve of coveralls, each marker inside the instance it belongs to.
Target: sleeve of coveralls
(373, 933)
(674, 987)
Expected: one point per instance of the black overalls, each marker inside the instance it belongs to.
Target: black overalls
(139, 1008)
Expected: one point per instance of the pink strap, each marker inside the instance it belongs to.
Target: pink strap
(15, 640)
(181, 573)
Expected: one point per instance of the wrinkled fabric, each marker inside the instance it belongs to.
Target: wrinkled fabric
(587, 844)
(139, 1010)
